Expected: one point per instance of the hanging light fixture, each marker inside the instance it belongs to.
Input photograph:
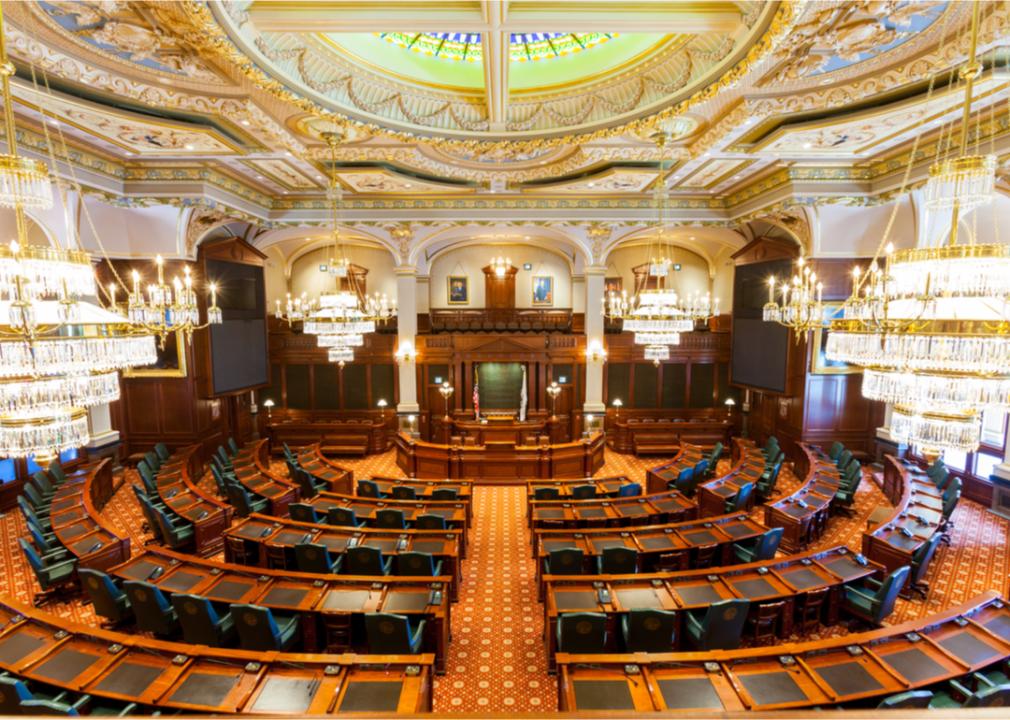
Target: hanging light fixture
(59, 351)
(162, 308)
(658, 315)
(801, 307)
(342, 317)
(500, 266)
(931, 324)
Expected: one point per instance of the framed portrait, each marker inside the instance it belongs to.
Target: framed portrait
(458, 289)
(543, 290)
(612, 285)
(819, 363)
(171, 360)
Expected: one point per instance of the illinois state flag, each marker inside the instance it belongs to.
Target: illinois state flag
(476, 396)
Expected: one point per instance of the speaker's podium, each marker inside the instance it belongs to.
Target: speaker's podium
(499, 427)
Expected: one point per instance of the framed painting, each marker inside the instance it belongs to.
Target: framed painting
(819, 363)
(612, 285)
(458, 289)
(171, 360)
(543, 290)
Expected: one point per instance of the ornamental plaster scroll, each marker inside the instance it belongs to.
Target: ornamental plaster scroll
(201, 220)
(403, 237)
(598, 235)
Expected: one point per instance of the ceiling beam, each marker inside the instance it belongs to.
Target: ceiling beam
(495, 45)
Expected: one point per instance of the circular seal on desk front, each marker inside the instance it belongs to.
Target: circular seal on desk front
(583, 627)
(651, 624)
(386, 627)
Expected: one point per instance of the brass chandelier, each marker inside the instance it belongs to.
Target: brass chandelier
(659, 315)
(800, 307)
(930, 325)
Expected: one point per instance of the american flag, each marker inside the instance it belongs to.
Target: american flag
(476, 397)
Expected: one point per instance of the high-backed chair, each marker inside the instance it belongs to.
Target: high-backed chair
(713, 457)
(233, 446)
(39, 504)
(344, 517)
(219, 481)
(582, 632)
(584, 492)
(741, 500)
(40, 481)
(107, 600)
(769, 479)
(617, 561)
(648, 630)
(54, 579)
(303, 512)
(47, 546)
(369, 489)
(428, 521)
(404, 492)
(148, 512)
(14, 691)
(29, 514)
(365, 560)
(958, 696)
(835, 450)
(873, 602)
(684, 483)
(390, 634)
(946, 521)
(418, 564)
(564, 561)
(910, 699)
(315, 558)
(390, 519)
(445, 494)
(56, 472)
(762, 548)
(153, 461)
(921, 560)
(810, 609)
(763, 621)
(719, 627)
(259, 629)
(630, 490)
(174, 536)
(307, 486)
(546, 493)
(151, 608)
(201, 623)
(162, 451)
(701, 470)
(243, 501)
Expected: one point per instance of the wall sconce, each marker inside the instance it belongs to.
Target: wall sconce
(269, 405)
(406, 353)
(595, 352)
(617, 407)
(382, 408)
(554, 390)
(446, 391)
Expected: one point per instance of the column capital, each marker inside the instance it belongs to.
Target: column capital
(405, 270)
(595, 270)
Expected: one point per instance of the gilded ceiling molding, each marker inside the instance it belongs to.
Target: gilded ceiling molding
(201, 220)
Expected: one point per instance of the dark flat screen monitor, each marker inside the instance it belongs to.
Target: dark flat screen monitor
(239, 344)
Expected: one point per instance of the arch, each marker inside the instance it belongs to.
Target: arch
(443, 239)
(318, 237)
(642, 236)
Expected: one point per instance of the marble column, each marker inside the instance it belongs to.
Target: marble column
(594, 275)
(406, 336)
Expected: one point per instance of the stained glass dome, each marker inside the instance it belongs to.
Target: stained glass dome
(524, 47)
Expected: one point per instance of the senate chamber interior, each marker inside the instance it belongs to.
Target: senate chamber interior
(505, 358)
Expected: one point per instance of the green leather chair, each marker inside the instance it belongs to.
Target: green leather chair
(56, 472)
(564, 561)
(617, 561)
(153, 611)
(403, 492)
(162, 451)
(303, 512)
(874, 602)
(53, 579)
(390, 634)
(107, 600)
(201, 623)
(369, 489)
(243, 501)
(685, 482)
(417, 564)
(910, 699)
(345, 517)
(740, 501)
(390, 519)
(769, 479)
(259, 629)
(584, 492)
(365, 560)
(177, 537)
(835, 450)
(14, 691)
(445, 494)
(546, 493)
(648, 630)
(713, 457)
(946, 521)
(762, 548)
(316, 558)
(720, 627)
(921, 560)
(428, 521)
(582, 632)
(958, 696)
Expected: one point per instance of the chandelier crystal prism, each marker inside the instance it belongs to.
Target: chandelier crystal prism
(930, 325)
(801, 306)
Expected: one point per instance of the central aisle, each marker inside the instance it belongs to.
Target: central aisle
(496, 658)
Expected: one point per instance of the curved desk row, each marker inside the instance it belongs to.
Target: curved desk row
(75, 515)
(748, 464)
(331, 607)
(312, 461)
(917, 514)
(501, 462)
(607, 487)
(270, 542)
(54, 652)
(456, 513)
(177, 488)
(768, 581)
(665, 507)
(424, 488)
(861, 667)
(252, 468)
(804, 513)
(658, 479)
(675, 541)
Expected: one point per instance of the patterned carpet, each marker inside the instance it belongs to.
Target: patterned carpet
(496, 658)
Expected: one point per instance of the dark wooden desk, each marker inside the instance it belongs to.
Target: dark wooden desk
(863, 668)
(78, 523)
(665, 507)
(53, 651)
(271, 541)
(252, 468)
(748, 464)
(608, 487)
(178, 489)
(622, 432)
(761, 582)
(371, 435)
(918, 511)
(455, 512)
(331, 607)
(658, 479)
(499, 462)
(424, 488)
(337, 478)
(804, 513)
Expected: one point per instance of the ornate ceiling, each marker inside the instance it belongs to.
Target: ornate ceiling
(499, 110)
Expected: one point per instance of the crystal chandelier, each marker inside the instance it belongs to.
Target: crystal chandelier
(163, 308)
(339, 318)
(658, 315)
(931, 324)
(500, 265)
(800, 308)
(59, 351)
(295, 309)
